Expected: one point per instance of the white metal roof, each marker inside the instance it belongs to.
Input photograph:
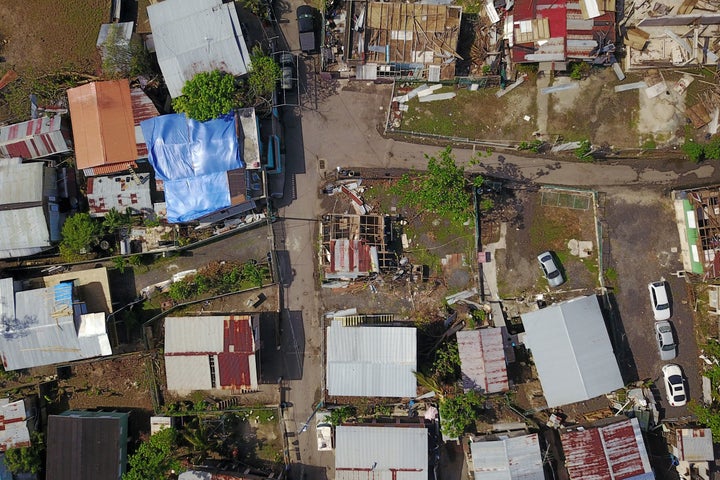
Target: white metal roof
(15, 433)
(572, 351)
(22, 230)
(185, 373)
(515, 458)
(371, 361)
(193, 334)
(20, 182)
(193, 36)
(379, 452)
(695, 444)
(42, 330)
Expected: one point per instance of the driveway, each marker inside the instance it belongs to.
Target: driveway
(645, 247)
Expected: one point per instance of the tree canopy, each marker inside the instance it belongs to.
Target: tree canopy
(264, 74)
(459, 412)
(441, 189)
(80, 233)
(208, 95)
(154, 458)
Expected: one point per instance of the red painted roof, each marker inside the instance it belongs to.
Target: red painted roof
(523, 10)
(143, 109)
(234, 361)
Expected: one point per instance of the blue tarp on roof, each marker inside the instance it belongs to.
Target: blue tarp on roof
(192, 159)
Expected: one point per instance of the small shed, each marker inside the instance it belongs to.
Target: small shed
(507, 458)
(694, 450)
(482, 360)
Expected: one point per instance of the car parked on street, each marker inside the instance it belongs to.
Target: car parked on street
(659, 300)
(287, 69)
(665, 340)
(550, 269)
(306, 28)
(674, 385)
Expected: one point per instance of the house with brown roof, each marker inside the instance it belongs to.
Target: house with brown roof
(105, 123)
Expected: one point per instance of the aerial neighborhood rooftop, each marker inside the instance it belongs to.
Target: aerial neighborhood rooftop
(360, 240)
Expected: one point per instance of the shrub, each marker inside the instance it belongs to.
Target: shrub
(694, 151)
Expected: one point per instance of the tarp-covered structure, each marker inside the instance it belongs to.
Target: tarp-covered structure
(197, 162)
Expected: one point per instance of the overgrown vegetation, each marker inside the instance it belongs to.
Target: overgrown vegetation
(446, 367)
(218, 278)
(154, 458)
(341, 414)
(80, 233)
(583, 151)
(579, 70)
(123, 58)
(263, 76)
(697, 152)
(27, 459)
(208, 95)
(459, 412)
(442, 189)
(533, 146)
(709, 415)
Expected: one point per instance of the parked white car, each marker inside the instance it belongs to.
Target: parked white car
(550, 269)
(324, 431)
(659, 300)
(665, 340)
(674, 385)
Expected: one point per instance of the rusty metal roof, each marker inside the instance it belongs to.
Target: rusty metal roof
(120, 192)
(216, 352)
(102, 123)
(34, 139)
(615, 451)
(482, 358)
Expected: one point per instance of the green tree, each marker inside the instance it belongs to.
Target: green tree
(459, 412)
(447, 362)
(712, 149)
(341, 414)
(180, 291)
(441, 189)
(263, 75)
(708, 415)
(80, 233)
(208, 95)
(26, 459)
(122, 58)
(154, 458)
(114, 220)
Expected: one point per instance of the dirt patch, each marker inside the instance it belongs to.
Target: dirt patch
(594, 111)
(476, 115)
(547, 227)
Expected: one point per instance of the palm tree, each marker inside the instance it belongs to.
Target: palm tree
(430, 383)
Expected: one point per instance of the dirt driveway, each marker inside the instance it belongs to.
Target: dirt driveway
(644, 247)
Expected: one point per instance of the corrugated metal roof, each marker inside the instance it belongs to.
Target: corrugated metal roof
(375, 452)
(193, 36)
(695, 444)
(108, 169)
(572, 351)
(482, 357)
(23, 231)
(515, 458)
(43, 329)
(34, 139)
(119, 192)
(350, 256)
(21, 182)
(614, 452)
(102, 123)
(14, 431)
(371, 361)
(202, 353)
(143, 108)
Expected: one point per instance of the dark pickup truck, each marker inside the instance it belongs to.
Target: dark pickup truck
(306, 28)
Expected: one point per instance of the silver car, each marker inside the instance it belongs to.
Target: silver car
(665, 341)
(550, 269)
